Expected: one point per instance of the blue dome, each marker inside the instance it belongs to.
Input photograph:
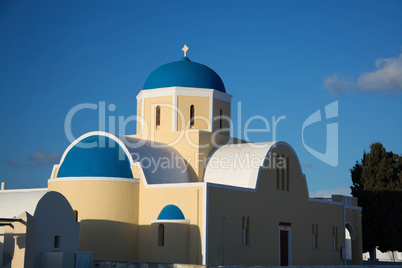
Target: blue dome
(184, 73)
(105, 158)
(171, 212)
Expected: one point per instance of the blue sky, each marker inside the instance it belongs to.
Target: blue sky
(278, 58)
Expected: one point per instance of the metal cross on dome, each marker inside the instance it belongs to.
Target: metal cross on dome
(185, 49)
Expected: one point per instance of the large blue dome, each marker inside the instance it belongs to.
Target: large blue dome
(96, 156)
(184, 73)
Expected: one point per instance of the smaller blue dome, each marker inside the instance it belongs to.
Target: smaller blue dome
(171, 212)
(184, 73)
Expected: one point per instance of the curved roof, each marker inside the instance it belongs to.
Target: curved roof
(160, 162)
(184, 73)
(171, 212)
(238, 164)
(96, 156)
(101, 154)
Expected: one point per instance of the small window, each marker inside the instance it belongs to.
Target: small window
(245, 230)
(283, 173)
(278, 174)
(315, 235)
(220, 119)
(287, 174)
(161, 235)
(56, 241)
(192, 116)
(76, 215)
(335, 237)
(158, 116)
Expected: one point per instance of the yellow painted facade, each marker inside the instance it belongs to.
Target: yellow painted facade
(202, 115)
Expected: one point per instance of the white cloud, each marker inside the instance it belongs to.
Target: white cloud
(41, 158)
(387, 78)
(328, 192)
(337, 85)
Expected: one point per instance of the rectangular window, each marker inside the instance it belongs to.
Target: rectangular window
(315, 235)
(245, 230)
(287, 174)
(56, 241)
(192, 114)
(335, 237)
(76, 215)
(220, 119)
(161, 235)
(158, 116)
(278, 172)
(283, 173)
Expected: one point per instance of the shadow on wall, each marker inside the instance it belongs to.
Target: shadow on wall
(108, 240)
(14, 246)
(119, 241)
(170, 242)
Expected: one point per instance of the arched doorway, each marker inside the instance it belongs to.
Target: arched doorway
(349, 238)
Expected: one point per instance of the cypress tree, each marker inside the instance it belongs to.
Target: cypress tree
(377, 183)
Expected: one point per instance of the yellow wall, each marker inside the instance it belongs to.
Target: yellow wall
(139, 114)
(176, 246)
(267, 208)
(152, 201)
(108, 213)
(225, 106)
(201, 110)
(15, 242)
(149, 114)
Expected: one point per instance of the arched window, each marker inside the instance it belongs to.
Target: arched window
(161, 235)
(315, 235)
(220, 119)
(283, 173)
(158, 116)
(245, 230)
(287, 174)
(192, 116)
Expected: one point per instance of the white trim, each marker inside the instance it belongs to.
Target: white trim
(325, 201)
(354, 207)
(24, 190)
(222, 96)
(174, 114)
(142, 116)
(99, 133)
(318, 200)
(54, 170)
(289, 229)
(232, 187)
(133, 180)
(211, 115)
(183, 91)
(170, 221)
(204, 238)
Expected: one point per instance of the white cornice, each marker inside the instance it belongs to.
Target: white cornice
(183, 91)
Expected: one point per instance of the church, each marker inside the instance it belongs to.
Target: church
(181, 190)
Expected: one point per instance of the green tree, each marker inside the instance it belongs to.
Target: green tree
(377, 183)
